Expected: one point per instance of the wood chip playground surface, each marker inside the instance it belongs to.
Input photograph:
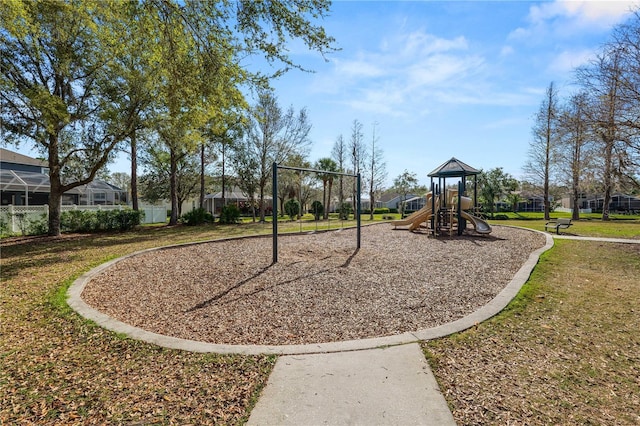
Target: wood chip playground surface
(321, 290)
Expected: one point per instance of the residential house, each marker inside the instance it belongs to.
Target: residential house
(24, 181)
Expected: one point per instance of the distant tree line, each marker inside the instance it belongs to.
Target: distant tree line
(590, 141)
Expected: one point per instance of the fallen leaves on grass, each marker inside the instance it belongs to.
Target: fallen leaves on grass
(570, 357)
(56, 368)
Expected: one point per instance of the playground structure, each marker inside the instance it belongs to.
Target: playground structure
(447, 210)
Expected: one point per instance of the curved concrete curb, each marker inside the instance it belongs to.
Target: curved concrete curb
(487, 311)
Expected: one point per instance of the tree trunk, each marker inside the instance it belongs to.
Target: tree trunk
(262, 206)
(55, 202)
(575, 181)
(608, 158)
(224, 177)
(55, 187)
(324, 198)
(173, 178)
(134, 171)
(201, 201)
(253, 209)
(547, 160)
(341, 191)
(372, 202)
(327, 207)
(575, 213)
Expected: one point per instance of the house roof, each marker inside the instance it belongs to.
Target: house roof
(454, 168)
(228, 195)
(13, 180)
(231, 196)
(7, 156)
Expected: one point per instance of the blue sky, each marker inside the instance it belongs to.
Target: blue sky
(442, 79)
(445, 79)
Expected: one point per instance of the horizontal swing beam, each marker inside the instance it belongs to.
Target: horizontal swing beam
(326, 172)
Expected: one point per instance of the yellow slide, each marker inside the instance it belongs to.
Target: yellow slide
(415, 219)
(409, 219)
(419, 219)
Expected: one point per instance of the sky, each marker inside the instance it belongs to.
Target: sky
(441, 79)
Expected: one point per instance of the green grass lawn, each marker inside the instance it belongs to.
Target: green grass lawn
(566, 351)
(617, 228)
(57, 368)
(579, 310)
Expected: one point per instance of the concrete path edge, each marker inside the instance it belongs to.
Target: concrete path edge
(494, 306)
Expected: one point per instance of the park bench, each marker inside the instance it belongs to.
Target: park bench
(557, 224)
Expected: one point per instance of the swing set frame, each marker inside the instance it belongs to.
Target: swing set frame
(301, 169)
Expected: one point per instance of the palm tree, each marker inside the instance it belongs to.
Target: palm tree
(326, 164)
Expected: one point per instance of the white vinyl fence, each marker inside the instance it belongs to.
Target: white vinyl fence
(18, 217)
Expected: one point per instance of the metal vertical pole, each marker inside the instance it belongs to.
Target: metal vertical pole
(433, 207)
(462, 224)
(475, 193)
(274, 212)
(358, 209)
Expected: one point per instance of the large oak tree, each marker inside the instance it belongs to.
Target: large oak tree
(72, 86)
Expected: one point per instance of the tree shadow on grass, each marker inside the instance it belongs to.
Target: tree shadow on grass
(22, 253)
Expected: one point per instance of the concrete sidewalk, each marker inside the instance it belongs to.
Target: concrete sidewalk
(601, 239)
(385, 386)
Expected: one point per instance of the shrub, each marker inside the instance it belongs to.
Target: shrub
(197, 217)
(101, 220)
(344, 211)
(78, 221)
(230, 214)
(106, 220)
(292, 208)
(38, 226)
(500, 217)
(393, 211)
(317, 209)
(380, 210)
(4, 227)
(129, 218)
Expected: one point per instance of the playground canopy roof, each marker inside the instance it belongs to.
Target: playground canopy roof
(454, 168)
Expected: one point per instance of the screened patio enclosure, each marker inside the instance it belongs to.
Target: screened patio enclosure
(21, 188)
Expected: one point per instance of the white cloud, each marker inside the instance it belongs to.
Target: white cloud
(507, 51)
(568, 19)
(580, 15)
(359, 68)
(597, 12)
(420, 43)
(404, 74)
(567, 61)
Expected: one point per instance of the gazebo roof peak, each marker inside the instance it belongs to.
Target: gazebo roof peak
(454, 168)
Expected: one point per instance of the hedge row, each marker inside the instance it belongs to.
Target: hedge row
(101, 220)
